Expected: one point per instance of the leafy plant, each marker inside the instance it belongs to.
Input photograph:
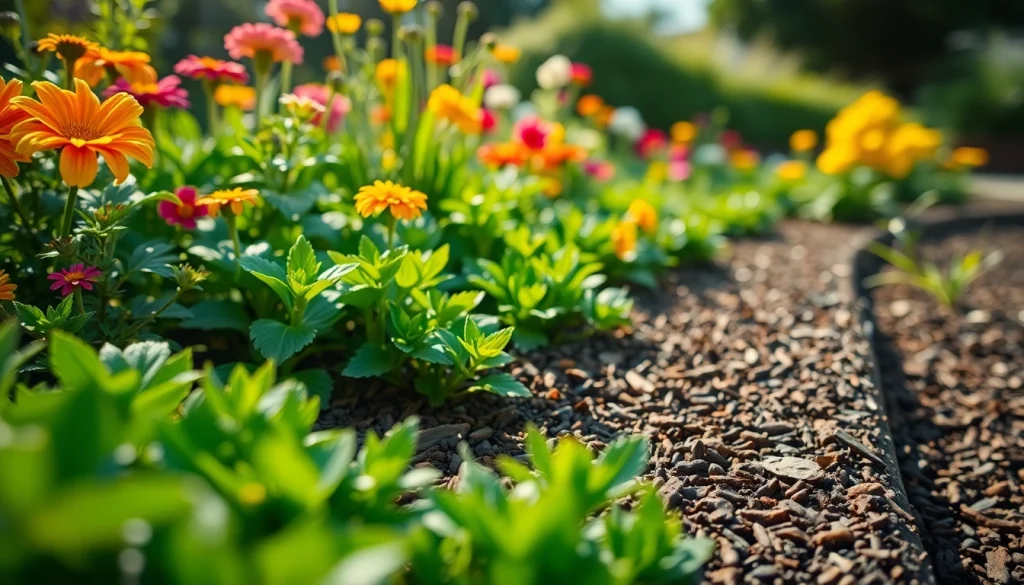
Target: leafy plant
(543, 530)
(946, 285)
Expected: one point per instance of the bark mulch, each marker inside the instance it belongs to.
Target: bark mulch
(955, 384)
(754, 383)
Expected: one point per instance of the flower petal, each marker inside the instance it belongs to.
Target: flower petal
(78, 166)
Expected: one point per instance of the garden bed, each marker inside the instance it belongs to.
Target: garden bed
(756, 386)
(955, 385)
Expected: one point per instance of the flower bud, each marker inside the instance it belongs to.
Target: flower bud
(336, 81)
(65, 248)
(411, 33)
(374, 27)
(188, 278)
(489, 41)
(468, 10)
(10, 24)
(434, 8)
(376, 46)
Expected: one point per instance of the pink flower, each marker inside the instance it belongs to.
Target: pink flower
(208, 68)
(297, 15)
(679, 167)
(487, 120)
(184, 214)
(76, 275)
(652, 141)
(490, 78)
(320, 93)
(166, 93)
(582, 74)
(601, 170)
(248, 40)
(532, 132)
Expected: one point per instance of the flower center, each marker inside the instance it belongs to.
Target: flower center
(80, 131)
(74, 277)
(185, 211)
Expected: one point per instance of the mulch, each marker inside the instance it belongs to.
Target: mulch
(754, 383)
(955, 385)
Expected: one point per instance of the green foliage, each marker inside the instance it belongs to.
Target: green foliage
(544, 530)
(911, 268)
(41, 324)
(542, 293)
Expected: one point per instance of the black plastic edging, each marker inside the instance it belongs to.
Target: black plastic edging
(866, 264)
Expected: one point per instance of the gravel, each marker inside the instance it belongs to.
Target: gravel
(754, 384)
(955, 382)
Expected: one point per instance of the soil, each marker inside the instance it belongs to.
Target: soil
(754, 384)
(955, 385)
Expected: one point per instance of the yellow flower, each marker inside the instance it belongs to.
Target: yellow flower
(644, 215)
(403, 202)
(803, 140)
(6, 289)
(388, 160)
(969, 157)
(553, 187)
(624, 240)
(837, 159)
(387, 73)
(70, 47)
(447, 103)
(397, 6)
(344, 23)
(302, 108)
(791, 170)
(683, 132)
(238, 96)
(236, 199)
(82, 128)
(506, 54)
(744, 159)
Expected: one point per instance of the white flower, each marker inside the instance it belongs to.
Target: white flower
(710, 154)
(588, 138)
(628, 123)
(501, 97)
(555, 73)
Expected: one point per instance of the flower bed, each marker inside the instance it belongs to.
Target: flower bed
(411, 237)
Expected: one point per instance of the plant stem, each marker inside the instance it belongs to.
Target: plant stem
(286, 77)
(79, 303)
(153, 315)
(231, 221)
(391, 231)
(459, 43)
(26, 38)
(69, 212)
(16, 206)
(212, 116)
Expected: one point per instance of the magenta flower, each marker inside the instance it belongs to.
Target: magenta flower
(582, 74)
(533, 132)
(210, 69)
(184, 214)
(76, 275)
(320, 94)
(487, 121)
(601, 170)
(166, 93)
(652, 142)
(299, 16)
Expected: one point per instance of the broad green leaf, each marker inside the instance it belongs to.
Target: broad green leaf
(154, 256)
(503, 384)
(270, 273)
(372, 360)
(302, 263)
(278, 341)
(75, 364)
(223, 314)
(318, 383)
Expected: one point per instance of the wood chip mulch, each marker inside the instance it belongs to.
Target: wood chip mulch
(753, 382)
(956, 388)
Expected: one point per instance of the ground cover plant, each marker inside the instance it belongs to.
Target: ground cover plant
(203, 286)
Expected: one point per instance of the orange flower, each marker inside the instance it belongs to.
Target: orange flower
(238, 96)
(744, 159)
(447, 103)
(558, 154)
(791, 170)
(501, 154)
(236, 199)
(624, 239)
(70, 47)
(387, 73)
(82, 128)
(6, 289)
(644, 215)
(397, 6)
(132, 65)
(506, 54)
(803, 140)
(380, 115)
(332, 63)
(9, 117)
(964, 156)
(344, 23)
(683, 132)
(403, 202)
(604, 116)
(589, 105)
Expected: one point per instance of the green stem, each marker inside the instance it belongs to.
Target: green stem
(459, 43)
(26, 37)
(236, 243)
(286, 77)
(79, 303)
(153, 315)
(69, 212)
(212, 115)
(69, 74)
(391, 231)
(431, 37)
(339, 50)
(16, 205)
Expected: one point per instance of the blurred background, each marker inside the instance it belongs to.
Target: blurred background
(774, 65)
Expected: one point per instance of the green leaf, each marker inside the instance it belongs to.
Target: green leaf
(322, 312)
(146, 357)
(302, 263)
(210, 315)
(494, 343)
(372, 360)
(318, 383)
(503, 384)
(152, 257)
(270, 273)
(278, 341)
(75, 364)
(368, 250)
(31, 318)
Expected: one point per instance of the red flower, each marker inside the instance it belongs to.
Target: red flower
(533, 132)
(166, 93)
(212, 69)
(582, 74)
(184, 214)
(731, 139)
(651, 142)
(487, 120)
(443, 55)
(76, 275)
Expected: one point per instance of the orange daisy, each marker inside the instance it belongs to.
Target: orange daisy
(6, 289)
(236, 199)
(132, 65)
(9, 117)
(644, 215)
(403, 202)
(70, 47)
(81, 127)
